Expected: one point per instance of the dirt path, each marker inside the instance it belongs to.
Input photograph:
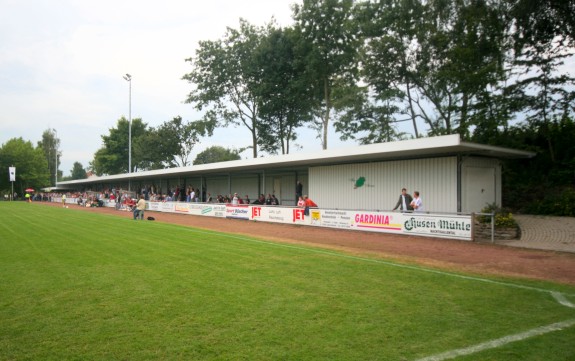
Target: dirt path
(446, 254)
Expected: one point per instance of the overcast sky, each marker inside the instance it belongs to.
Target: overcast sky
(62, 62)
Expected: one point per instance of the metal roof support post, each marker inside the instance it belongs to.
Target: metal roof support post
(459, 166)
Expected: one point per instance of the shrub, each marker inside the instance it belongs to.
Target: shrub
(556, 203)
(503, 217)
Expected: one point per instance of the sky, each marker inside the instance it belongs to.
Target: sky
(62, 64)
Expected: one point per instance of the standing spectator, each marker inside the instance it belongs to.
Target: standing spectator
(417, 203)
(298, 190)
(140, 208)
(404, 202)
(235, 200)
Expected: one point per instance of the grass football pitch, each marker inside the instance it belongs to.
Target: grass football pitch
(77, 285)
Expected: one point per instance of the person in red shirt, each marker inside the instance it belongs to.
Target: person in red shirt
(308, 203)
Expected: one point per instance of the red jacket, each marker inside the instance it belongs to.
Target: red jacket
(310, 203)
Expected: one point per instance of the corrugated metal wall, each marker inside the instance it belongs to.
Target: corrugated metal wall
(342, 187)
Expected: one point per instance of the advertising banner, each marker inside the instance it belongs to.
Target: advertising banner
(212, 210)
(444, 226)
(241, 211)
(12, 173)
(278, 215)
(377, 221)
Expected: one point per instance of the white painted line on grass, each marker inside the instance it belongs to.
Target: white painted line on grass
(560, 297)
(500, 341)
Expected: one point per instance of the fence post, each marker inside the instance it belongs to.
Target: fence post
(492, 227)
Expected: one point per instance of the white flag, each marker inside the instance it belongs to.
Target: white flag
(12, 171)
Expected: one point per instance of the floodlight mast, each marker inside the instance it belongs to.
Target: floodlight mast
(128, 78)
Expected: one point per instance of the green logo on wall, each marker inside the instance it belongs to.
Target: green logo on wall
(360, 182)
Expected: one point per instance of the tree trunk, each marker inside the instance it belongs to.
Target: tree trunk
(327, 111)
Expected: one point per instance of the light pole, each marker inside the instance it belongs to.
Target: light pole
(55, 159)
(128, 78)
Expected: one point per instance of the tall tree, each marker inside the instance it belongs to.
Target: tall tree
(50, 145)
(217, 154)
(330, 41)
(171, 144)
(225, 77)
(30, 163)
(542, 37)
(78, 171)
(112, 158)
(436, 59)
(284, 98)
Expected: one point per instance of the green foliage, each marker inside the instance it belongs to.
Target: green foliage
(329, 36)
(543, 184)
(559, 202)
(50, 145)
(171, 144)
(285, 101)
(78, 171)
(113, 157)
(503, 217)
(225, 76)
(31, 166)
(216, 154)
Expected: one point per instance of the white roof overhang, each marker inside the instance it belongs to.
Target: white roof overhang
(448, 145)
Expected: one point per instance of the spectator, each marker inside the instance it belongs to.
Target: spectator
(417, 203)
(308, 203)
(301, 202)
(140, 208)
(404, 201)
(298, 190)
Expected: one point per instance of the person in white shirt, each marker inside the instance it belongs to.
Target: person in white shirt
(417, 203)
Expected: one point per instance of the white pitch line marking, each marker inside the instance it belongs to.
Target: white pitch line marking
(500, 341)
(560, 297)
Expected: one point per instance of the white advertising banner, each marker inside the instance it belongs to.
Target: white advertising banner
(241, 211)
(12, 172)
(445, 226)
(432, 225)
(279, 215)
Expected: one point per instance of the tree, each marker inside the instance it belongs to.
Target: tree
(284, 98)
(217, 154)
(330, 43)
(369, 122)
(171, 144)
(78, 171)
(225, 78)
(542, 36)
(30, 163)
(112, 158)
(437, 60)
(50, 145)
